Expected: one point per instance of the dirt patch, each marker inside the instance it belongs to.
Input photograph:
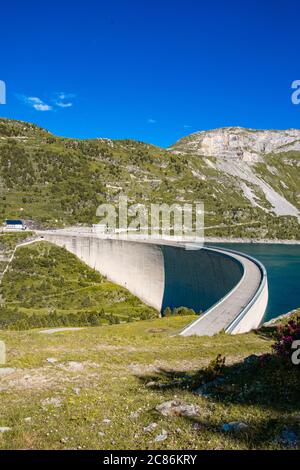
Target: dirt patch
(157, 330)
(25, 379)
(58, 330)
(50, 376)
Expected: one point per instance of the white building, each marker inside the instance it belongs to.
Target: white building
(14, 225)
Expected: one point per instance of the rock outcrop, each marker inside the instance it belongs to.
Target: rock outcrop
(239, 143)
(237, 151)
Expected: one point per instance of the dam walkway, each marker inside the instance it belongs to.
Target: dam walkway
(222, 315)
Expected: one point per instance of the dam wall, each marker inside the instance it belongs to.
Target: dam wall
(138, 267)
(230, 288)
(160, 275)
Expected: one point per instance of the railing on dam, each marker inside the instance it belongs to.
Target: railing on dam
(263, 285)
(242, 308)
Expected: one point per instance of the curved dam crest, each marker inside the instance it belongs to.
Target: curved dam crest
(165, 274)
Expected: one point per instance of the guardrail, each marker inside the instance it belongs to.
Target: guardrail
(262, 285)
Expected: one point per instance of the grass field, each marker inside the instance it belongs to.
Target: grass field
(99, 388)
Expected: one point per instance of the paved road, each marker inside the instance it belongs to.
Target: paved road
(224, 312)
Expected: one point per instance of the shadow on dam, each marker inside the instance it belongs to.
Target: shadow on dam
(197, 279)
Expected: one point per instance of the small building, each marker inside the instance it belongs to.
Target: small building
(14, 225)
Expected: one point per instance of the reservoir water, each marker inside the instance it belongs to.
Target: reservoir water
(282, 263)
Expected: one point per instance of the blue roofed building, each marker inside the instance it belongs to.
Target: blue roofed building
(14, 225)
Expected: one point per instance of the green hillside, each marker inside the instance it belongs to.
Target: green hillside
(55, 181)
(47, 286)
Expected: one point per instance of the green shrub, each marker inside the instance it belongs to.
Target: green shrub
(178, 311)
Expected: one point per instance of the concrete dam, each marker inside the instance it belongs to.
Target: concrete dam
(230, 288)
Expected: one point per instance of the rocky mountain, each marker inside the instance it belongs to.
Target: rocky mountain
(248, 180)
(244, 153)
(248, 145)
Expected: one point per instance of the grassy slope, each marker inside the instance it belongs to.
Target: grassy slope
(101, 374)
(58, 181)
(43, 279)
(8, 241)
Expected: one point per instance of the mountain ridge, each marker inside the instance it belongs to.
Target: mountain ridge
(238, 142)
(59, 181)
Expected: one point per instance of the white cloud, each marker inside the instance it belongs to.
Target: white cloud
(60, 104)
(35, 103)
(58, 100)
(186, 126)
(152, 121)
(62, 99)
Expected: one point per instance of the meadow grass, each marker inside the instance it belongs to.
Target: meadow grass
(99, 393)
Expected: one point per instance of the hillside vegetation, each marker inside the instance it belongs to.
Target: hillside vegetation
(47, 286)
(55, 181)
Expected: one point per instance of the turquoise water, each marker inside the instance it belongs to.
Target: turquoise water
(282, 263)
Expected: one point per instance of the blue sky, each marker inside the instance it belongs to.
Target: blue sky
(150, 70)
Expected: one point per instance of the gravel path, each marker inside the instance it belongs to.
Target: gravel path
(58, 330)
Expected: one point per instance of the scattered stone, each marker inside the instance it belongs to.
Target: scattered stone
(4, 429)
(101, 434)
(153, 384)
(196, 427)
(76, 390)
(178, 408)
(6, 370)
(27, 420)
(150, 427)
(74, 366)
(53, 401)
(236, 426)
(161, 437)
(51, 360)
(150, 384)
(289, 438)
(134, 414)
(106, 421)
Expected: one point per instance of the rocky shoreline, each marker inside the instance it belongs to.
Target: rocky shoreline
(270, 241)
(285, 316)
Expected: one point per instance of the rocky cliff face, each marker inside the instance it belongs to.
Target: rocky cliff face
(244, 153)
(242, 144)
